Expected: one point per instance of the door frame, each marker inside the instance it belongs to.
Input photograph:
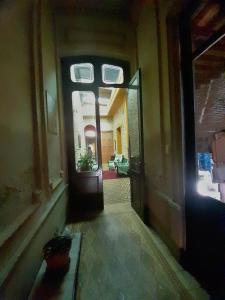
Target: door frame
(205, 230)
(95, 201)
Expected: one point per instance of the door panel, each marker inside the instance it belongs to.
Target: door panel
(82, 129)
(136, 153)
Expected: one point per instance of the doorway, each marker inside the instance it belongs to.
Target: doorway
(114, 145)
(118, 139)
(97, 94)
(202, 62)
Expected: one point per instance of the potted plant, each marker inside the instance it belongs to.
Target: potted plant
(56, 252)
(86, 162)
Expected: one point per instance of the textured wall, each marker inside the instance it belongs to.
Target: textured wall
(166, 213)
(50, 86)
(16, 151)
(80, 34)
(30, 157)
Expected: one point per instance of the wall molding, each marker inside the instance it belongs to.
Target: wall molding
(32, 229)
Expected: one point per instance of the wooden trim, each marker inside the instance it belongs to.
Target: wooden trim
(35, 73)
(176, 122)
(68, 88)
(188, 107)
(42, 103)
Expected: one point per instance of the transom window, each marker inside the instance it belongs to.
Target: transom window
(83, 73)
(112, 74)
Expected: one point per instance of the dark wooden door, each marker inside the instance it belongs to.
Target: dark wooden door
(83, 139)
(81, 77)
(136, 152)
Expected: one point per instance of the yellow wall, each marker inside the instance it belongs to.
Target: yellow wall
(166, 211)
(118, 113)
(32, 205)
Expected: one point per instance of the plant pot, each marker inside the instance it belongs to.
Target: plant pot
(56, 252)
(58, 261)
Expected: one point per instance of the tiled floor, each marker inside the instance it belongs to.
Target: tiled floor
(116, 190)
(122, 259)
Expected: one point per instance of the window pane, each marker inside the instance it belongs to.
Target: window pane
(112, 74)
(83, 73)
(209, 77)
(133, 121)
(85, 133)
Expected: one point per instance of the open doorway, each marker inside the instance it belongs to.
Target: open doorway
(207, 136)
(114, 145)
(98, 97)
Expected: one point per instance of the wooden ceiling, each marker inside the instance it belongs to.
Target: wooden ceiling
(209, 18)
(209, 70)
(211, 64)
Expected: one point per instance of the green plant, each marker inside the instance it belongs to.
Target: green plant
(85, 163)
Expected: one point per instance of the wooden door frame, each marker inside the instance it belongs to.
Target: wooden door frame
(205, 242)
(68, 86)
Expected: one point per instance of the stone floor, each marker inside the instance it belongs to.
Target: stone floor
(122, 259)
(116, 190)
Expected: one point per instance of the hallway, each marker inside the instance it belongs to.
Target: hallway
(122, 259)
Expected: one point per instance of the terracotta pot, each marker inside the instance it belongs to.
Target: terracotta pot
(56, 252)
(58, 261)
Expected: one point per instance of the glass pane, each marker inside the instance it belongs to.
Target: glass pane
(85, 133)
(83, 73)
(105, 101)
(208, 19)
(209, 77)
(112, 74)
(114, 130)
(133, 120)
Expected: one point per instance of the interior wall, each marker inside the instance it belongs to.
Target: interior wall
(29, 147)
(80, 34)
(120, 121)
(16, 128)
(165, 210)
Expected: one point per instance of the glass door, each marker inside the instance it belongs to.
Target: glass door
(136, 152)
(86, 81)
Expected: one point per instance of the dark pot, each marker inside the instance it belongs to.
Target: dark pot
(56, 252)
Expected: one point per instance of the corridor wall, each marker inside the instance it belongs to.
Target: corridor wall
(164, 205)
(33, 192)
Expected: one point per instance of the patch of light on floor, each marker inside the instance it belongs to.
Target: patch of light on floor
(205, 185)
